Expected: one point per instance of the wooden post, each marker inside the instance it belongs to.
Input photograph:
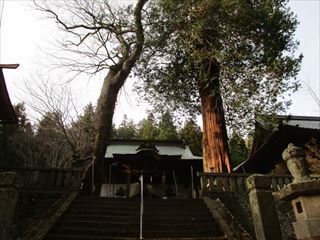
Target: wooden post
(109, 186)
(141, 206)
(175, 184)
(163, 180)
(128, 183)
(203, 185)
(193, 195)
(92, 179)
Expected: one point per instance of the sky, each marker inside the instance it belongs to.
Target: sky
(25, 37)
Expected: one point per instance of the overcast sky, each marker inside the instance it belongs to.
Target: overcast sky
(25, 35)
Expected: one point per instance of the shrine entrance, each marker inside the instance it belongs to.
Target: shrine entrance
(168, 168)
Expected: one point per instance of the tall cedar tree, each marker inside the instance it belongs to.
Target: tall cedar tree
(167, 128)
(83, 132)
(147, 128)
(127, 129)
(100, 35)
(191, 133)
(233, 56)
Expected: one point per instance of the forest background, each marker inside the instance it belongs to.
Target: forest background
(54, 143)
(63, 123)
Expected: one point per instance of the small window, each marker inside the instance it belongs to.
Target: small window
(299, 207)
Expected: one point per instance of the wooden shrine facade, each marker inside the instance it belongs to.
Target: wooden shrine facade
(169, 168)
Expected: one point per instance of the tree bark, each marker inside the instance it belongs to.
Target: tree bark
(104, 115)
(109, 93)
(216, 157)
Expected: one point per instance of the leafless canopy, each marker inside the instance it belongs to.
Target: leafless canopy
(99, 34)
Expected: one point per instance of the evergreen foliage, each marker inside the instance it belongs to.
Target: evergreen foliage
(15, 138)
(238, 149)
(191, 133)
(251, 42)
(23, 122)
(53, 143)
(126, 129)
(83, 130)
(167, 128)
(161, 128)
(148, 129)
(47, 126)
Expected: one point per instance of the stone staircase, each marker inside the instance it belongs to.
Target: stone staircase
(97, 218)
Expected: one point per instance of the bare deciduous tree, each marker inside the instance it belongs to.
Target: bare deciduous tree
(105, 36)
(56, 104)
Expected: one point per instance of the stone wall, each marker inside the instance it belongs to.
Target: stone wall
(8, 199)
(30, 208)
(286, 217)
(239, 206)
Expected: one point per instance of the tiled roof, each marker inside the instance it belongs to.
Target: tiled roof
(301, 121)
(270, 153)
(167, 148)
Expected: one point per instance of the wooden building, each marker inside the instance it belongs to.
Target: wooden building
(168, 167)
(268, 145)
(7, 114)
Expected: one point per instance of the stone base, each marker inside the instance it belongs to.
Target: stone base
(307, 229)
(294, 190)
(306, 207)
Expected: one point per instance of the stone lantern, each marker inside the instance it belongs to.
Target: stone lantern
(304, 194)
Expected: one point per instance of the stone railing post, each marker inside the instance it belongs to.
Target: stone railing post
(8, 199)
(264, 214)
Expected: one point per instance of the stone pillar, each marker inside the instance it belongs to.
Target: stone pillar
(8, 200)
(264, 213)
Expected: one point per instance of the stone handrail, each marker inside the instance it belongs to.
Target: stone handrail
(48, 179)
(68, 181)
(42, 226)
(235, 182)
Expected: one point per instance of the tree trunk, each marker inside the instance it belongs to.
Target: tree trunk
(103, 122)
(115, 79)
(216, 157)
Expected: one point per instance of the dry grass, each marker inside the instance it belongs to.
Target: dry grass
(312, 148)
(313, 155)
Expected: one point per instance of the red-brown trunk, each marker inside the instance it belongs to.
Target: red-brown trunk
(215, 149)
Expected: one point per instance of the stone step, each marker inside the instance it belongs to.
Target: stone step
(150, 219)
(137, 200)
(72, 237)
(118, 232)
(133, 206)
(135, 226)
(115, 218)
(150, 208)
(119, 212)
(130, 202)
